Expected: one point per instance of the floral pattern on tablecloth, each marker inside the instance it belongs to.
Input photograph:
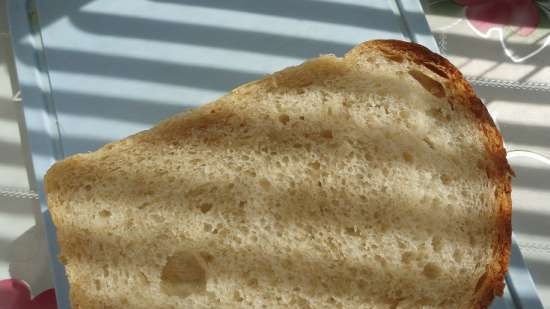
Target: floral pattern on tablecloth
(521, 27)
(15, 294)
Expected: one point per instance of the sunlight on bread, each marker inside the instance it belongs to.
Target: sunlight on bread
(376, 180)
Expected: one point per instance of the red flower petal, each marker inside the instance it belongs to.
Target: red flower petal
(470, 2)
(525, 16)
(486, 14)
(489, 14)
(45, 300)
(14, 294)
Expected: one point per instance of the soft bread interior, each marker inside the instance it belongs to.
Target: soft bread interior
(340, 183)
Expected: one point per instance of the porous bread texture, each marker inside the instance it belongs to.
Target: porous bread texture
(376, 180)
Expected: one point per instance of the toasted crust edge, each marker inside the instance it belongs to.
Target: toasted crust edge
(491, 283)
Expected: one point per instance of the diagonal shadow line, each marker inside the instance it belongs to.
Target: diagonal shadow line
(533, 135)
(201, 35)
(88, 143)
(529, 222)
(91, 142)
(487, 70)
(321, 11)
(491, 94)
(9, 110)
(55, 13)
(527, 177)
(4, 246)
(16, 206)
(9, 62)
(20, 259)
(206, 34)
(117, 108)
(479, 47)
(11, 154)
(321, 121)
(278, 139)
(211, 78)
(82, 143)
(531, 178)
(407, 218)
(94, 248)
(540, 270)
(529, 76)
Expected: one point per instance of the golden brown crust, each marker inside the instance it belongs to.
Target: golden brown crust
(461, 92)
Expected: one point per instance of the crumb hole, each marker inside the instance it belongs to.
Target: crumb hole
(445, 179)
(407, 257)
(300, 302)
(237, 296)
(346, 103)
(253, 282)
(380, 260)
(105, 270)
(352, 231)
(429, 142)
(431, 271)
(437, 243)
(457, 256)
(183, 275)
(472, 240)
(431, 85)
(104, 213)
(97, 284)
(327, 134)
(157, 218)
(284, 119)
(265, 184)
(396, 58)
(143, 278)
(207, 257)
(435, 69)
(407, 157)
(315, 165)
(205, 207)
(143, 205)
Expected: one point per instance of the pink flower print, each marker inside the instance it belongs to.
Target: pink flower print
(15, 294)
(487, 14)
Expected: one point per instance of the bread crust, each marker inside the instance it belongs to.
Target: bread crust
(491, 283)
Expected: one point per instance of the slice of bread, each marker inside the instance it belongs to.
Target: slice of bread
(376, 180)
